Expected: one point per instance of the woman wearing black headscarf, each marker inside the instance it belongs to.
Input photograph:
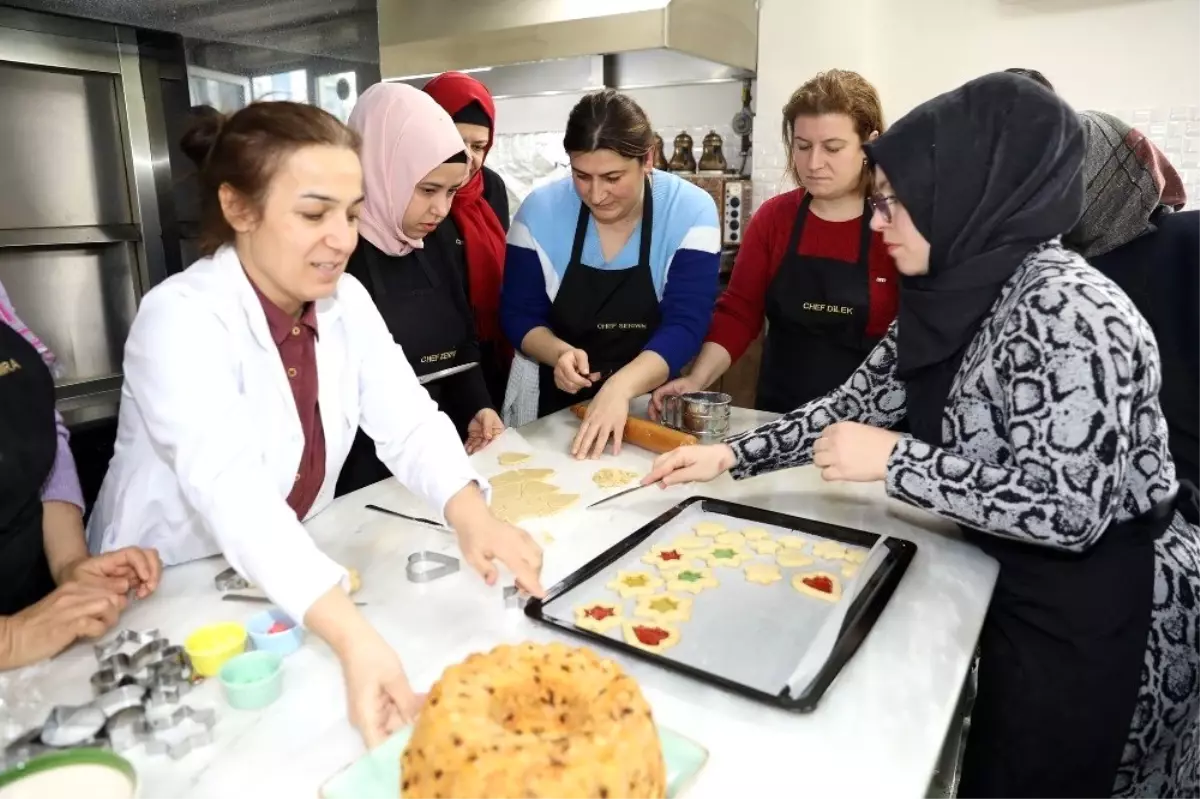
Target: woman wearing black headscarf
(1030, 383)
(1135, 231)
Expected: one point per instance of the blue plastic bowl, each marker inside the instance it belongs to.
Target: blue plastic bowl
(281, 643)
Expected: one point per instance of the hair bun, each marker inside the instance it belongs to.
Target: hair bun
(201, 135)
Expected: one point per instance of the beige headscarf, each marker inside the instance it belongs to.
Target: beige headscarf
(405, 136)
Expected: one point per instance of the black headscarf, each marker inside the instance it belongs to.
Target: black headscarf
(987, 172)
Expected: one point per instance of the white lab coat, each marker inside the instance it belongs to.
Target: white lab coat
(209, 440)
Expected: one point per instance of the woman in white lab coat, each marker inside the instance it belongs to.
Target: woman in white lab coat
(246, 377)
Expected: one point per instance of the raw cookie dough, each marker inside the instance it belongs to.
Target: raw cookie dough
(692, 580)
(635, 583)
(709, 529)
(791, 558)
(764, 573)
(856, 555)
(513, 458)
(849, 569)
(652, 636)
(667, 558)
(692, 542)
(731, 539)
(520, 476)
(599, 617)
(523, 494)
(829, 550)
(355, 580)
(821, 585)
(755, 534)
(664, 607)
(793, 541)
(725, 556)
(766, 546)
(613, 478)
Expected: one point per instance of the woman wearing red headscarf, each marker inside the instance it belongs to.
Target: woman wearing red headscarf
(473, 236)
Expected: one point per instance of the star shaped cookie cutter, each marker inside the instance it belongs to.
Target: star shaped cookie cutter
(230, 580)
(139, 638)
(426, 566)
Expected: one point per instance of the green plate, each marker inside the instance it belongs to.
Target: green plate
(72, 772)
(376, 775)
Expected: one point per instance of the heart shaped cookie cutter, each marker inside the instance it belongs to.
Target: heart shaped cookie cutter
(426, 566)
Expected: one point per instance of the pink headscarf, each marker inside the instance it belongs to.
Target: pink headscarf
(405, 136)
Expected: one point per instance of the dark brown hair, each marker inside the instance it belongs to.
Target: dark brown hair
(838, 91)
(244, 150)
(609, 120)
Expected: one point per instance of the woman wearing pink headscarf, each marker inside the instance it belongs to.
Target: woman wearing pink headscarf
(413, 164)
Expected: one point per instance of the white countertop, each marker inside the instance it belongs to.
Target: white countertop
(877, 731)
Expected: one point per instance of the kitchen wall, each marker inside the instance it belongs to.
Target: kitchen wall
(529, 130)
(1136, 59)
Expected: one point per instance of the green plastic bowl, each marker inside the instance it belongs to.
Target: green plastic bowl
(253, 680)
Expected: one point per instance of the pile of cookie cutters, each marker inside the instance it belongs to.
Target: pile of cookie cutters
(138, 690)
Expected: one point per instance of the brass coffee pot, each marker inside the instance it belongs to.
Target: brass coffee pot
(713, 158)
(660, 160)
(683, 160)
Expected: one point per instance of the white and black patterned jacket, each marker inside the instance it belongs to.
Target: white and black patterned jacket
(1053, 427)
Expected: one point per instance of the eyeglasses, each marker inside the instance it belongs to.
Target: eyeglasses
(882, 205)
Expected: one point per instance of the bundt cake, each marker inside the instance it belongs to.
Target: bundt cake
(534, 721)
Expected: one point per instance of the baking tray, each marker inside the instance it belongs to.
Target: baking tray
(768, 643)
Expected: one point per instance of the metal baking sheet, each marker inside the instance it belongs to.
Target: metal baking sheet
(752, 638)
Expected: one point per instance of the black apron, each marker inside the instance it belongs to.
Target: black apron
(436, 333)
(28, 445)
(1060, 662)
(608, 313)
(817, 310)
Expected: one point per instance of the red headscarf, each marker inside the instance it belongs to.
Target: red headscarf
(482, 233)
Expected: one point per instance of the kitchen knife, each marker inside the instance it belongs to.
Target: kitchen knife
(406, 517)
(620, 493)
(261, 599)
(453, 370)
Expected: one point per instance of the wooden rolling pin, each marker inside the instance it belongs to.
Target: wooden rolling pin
(646, 434)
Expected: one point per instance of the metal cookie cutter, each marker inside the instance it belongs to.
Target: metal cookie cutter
(164, 735)
(127, 728)
(119, 699)
(515, 598)
(230, 580)
(139, 638)
(24, 749)
(426, 566)
(72, 726)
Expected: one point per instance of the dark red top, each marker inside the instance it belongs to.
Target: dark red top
(297, 342)
(741, 308)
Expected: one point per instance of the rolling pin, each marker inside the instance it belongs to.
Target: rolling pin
(646, 434)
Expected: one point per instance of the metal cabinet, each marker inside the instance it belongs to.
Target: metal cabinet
(84, 172)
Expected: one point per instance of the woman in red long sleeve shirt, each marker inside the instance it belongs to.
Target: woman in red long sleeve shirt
(809, 264)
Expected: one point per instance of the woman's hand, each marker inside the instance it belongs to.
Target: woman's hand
(853, 452)
(482, 429)
(680, 385)
(47, 627)
(605, 417)
(571, 372)
(692, 464)
(378, 697)
(120, 571)
(487, 539)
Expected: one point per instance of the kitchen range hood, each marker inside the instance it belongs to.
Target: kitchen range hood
(425, 37)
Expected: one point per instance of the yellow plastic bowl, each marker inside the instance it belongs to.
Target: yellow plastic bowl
(210, 646)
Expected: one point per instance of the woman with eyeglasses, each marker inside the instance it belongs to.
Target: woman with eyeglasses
(1030, 383)
(809, 265)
